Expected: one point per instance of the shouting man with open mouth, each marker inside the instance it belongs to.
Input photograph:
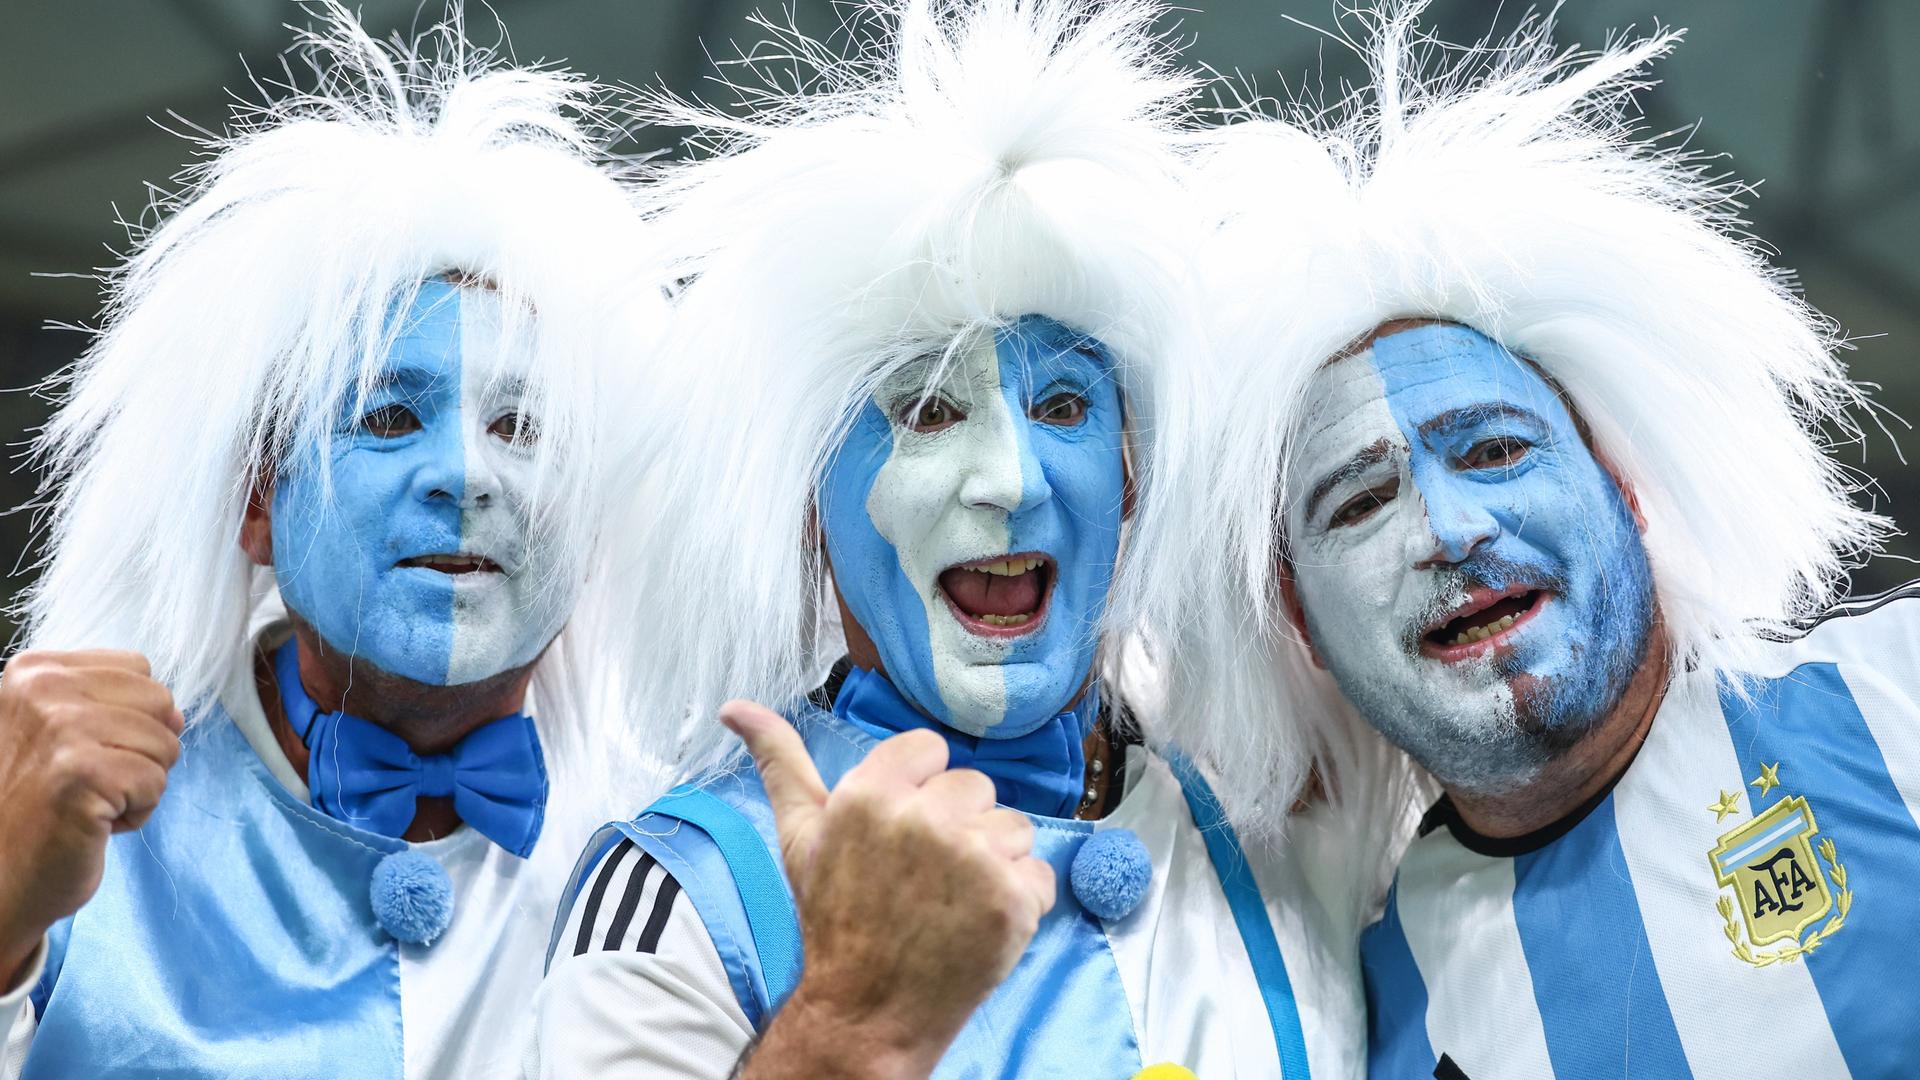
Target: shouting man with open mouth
(937, 315)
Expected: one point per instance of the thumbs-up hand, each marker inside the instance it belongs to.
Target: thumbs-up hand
(917, 896)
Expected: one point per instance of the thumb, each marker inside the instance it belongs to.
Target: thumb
(794, 787)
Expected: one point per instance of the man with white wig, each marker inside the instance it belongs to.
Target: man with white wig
(323, 493)
(940, 300)
(1534, 444)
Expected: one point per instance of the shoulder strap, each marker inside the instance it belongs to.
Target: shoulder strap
(1250, 916)
(763, 888)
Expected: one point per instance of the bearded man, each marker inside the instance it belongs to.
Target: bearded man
(938, 306)
(325, 492)
(1554, 517)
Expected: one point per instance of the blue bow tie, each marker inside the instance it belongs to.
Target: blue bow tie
(1042, 772)
(361, 773)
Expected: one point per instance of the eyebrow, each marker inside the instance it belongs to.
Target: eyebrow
(1468, 415)
(1359, 463)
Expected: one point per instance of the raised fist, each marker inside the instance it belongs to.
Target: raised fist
(917, 897)
(86, 739)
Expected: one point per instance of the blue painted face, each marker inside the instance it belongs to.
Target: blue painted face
(1469, 571)
(973, 525)
(408, 544)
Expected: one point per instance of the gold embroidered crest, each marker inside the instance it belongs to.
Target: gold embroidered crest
(1781, 887)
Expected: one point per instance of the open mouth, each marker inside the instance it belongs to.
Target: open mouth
(1004, 596)
(1483, 624)
(455, 564)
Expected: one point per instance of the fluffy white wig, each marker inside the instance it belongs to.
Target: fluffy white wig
(257, 310)
(973, 162)
(1510, 190)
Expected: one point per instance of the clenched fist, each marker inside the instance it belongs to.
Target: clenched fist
(86, 739)
(917, 896)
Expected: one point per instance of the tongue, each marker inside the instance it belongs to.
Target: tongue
(990, 594)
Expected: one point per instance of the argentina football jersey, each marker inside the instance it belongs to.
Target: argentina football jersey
(1742, 900)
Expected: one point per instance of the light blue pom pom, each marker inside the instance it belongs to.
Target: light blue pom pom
(412, 897)
(1110, 873)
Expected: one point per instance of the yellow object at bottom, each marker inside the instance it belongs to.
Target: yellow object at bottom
(1165, 1071)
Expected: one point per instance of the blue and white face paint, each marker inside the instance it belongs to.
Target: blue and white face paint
(409, 544)
(973, 525)
(1469, 571)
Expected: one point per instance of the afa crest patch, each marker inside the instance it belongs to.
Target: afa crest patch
(1769, 869)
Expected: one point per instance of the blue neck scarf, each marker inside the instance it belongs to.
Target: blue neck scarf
(361, 773)
(1043, 772)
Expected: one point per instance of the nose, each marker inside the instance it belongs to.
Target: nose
(453, 467)
(1457, 525)
(483, 477)
(1005, 473)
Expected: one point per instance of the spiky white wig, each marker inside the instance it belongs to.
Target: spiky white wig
(975, 161)
(1511, 191)
(257, 311)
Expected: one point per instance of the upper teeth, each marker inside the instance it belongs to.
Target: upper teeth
(1482, 633)
(448, 560)
(1008, 567)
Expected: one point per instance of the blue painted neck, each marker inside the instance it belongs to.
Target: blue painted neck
(1042, 772)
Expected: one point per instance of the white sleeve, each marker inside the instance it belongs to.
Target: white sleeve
(637, 988)
(16, 1016)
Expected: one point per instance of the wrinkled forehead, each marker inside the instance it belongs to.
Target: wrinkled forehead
(1429, 369)
(1343, 413)
(1400, 386)
(1418, 373)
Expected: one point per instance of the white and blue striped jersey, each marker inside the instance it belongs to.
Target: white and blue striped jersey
(1743, 902)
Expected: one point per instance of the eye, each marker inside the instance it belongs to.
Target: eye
(1495, 453)
(934, 414)
(1361, 506)
(390, 422)
(1064, 409)
(516, 428)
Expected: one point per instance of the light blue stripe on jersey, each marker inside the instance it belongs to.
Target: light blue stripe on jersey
(1397, 1042)
(1577, 912)
(1792, 823)
(1808, 723)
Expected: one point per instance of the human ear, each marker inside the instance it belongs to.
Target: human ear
(1295, 613)
(256, 526)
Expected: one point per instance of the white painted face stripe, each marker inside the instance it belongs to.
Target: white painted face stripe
(1359, 583)
(984, 450)
(499, 625)
(1666, 831)
(479, 342)
(1466, 943)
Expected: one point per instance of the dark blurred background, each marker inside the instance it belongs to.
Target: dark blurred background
(1805, 97)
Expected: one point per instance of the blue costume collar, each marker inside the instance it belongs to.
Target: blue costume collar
(361, 773)
(1042, 772)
